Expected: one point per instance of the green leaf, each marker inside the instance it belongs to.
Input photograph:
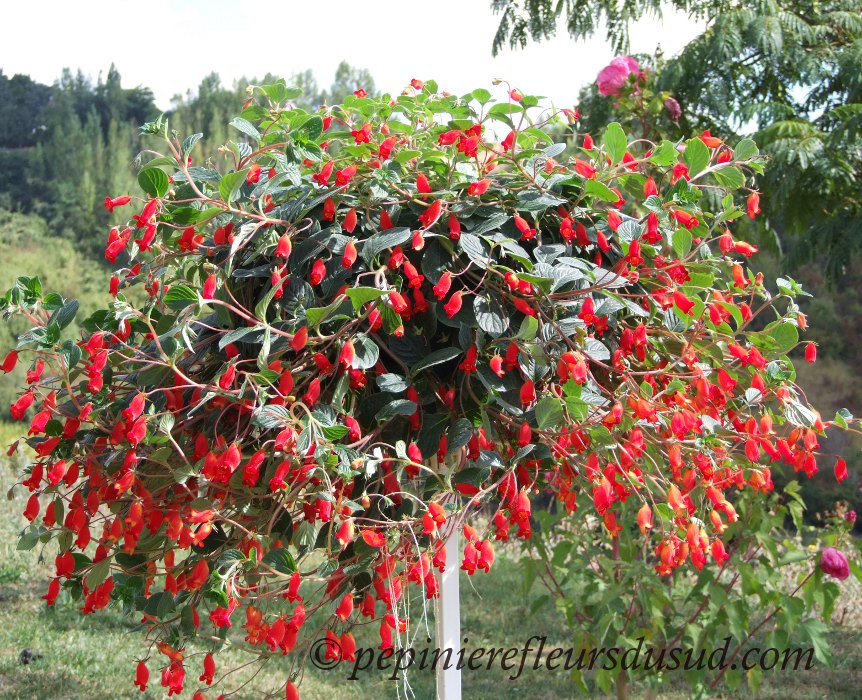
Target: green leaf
(785, 336)
(615, 142)
(230, 184)
(392, 383)
(399, 407)
(367, 353)
(153, 181)
(281, 560)
(334, 432)
(312, 127)
(98, 573)
(696, 156)
(383, 240)
(549, 412)
(189, 143)
(481, 95)
(601, 190)
(246, 127)
(665, 154)
(435, 358)
(179, 296)
(318, 315)
(490, 315)
(842, 416)
(746, 149)
(65, 315)
(682, 241)
(362, 295)
(729, 176)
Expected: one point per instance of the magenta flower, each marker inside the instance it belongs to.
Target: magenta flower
(833, 563)
(613, 76)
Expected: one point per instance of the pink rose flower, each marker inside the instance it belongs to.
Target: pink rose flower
(834, 563)
(613, 76)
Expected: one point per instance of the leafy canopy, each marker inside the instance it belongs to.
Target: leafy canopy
(376, 319)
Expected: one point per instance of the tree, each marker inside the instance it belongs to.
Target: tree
(314, 363)
(22, 102)
(786, 73)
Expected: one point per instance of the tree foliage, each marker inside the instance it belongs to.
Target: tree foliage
(786, 73)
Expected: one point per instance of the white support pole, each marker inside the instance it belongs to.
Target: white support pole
(448, 621)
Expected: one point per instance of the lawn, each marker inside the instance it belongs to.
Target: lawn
(93, 657)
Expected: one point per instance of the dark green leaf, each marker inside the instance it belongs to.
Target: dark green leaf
(153, 181)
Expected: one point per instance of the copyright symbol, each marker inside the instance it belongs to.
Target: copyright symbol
(325, 654)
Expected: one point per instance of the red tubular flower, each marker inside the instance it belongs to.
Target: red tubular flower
(53, 591)
(468, 364)
(508, 142)
(189, 241)
(300, 338)
(683, 302)
(322, 178)
(116, 202)
(453, 306)
(253, 175)
(318, 273)
(645, 522)
(385, 148)
(431, 214)
(209, 669)
(454, 228)
(584, 169)
(524, 307)
(9, 361)
(373, 538)
(142, 676)
(362, 135)
(840, 470)
(447, 138)
(684, 218)
(811, 353)
(753, 205)
(210, 287)
(718, 552)
(422, 184)
(31, 511)
(226, 379)
(347, 354)
(328, 210)
(345, 607)
(349, 221)
(478, 188)
(349, 256)
(19, 408)
(521, 224)
(343, 176)
(441, 289)
(528, 393)
(284, 247)
(650, 188)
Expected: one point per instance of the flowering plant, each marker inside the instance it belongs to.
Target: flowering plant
(378, 320)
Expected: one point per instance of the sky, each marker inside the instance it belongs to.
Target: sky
(170, 45)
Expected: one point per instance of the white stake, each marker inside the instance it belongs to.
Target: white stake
(448, 620)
